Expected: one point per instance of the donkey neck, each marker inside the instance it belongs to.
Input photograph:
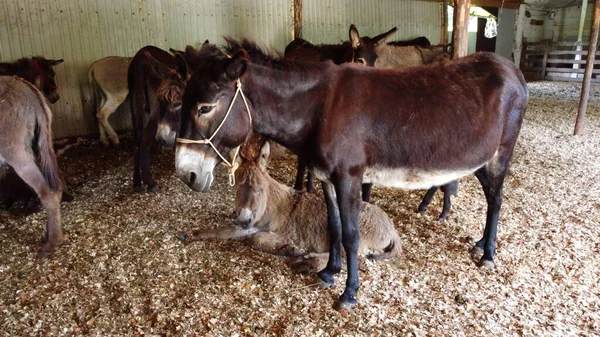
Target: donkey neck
(280, 203)
(285, 102)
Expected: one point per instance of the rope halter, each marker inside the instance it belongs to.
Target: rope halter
(233, 166)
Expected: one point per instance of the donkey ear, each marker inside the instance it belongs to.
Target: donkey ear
(382, 38)
(181, 65)
(236, 65)
(157, 67)
(354, 36)
(263, 158)
(52, 63)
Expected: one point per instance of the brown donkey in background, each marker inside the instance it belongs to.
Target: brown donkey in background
(36, 70)
(26, 145)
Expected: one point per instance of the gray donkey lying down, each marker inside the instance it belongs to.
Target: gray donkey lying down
(280, 220)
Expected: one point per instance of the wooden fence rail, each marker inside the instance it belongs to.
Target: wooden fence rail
(557, 61)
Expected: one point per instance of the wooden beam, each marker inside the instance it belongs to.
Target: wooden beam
(518, 42)
(589, 66)
(297, 32)
(445, 22)
(512, 4)
(461, 28)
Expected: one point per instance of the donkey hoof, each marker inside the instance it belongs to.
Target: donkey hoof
(137, 188)
(486, 264)
(345, 302)
(326, 279)
(181, 236)
(45, 253)
(477, 252)
(153, 188)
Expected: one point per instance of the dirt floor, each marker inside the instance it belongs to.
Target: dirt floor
(121, 270)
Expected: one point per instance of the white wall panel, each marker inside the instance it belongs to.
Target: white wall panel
(82, 31)
(328, 21)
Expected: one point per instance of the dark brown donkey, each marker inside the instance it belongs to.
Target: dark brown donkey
(36, 70)
(413, 128)
(143, 79)
(359, 48)
(26, 145)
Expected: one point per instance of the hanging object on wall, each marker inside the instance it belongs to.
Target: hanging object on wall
(491, 28)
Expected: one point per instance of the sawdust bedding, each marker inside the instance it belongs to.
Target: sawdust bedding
(121, 270)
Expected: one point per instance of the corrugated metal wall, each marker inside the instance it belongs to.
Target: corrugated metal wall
(82, 31)
(328, 21)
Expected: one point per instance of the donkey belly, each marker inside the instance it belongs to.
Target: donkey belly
(412, 178)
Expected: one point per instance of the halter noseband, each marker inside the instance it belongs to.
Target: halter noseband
(233, 166)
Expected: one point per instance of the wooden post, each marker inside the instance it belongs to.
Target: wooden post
(460, 34)
(580, 36)
(589, 66)
(297, 4)
(545, 60)
(518, 43)
(444, 22)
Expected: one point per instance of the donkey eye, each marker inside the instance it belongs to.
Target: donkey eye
(176, 107)
(361, 60)
(205, 108)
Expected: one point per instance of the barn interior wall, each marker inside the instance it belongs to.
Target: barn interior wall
(83, 31)
(328, 21)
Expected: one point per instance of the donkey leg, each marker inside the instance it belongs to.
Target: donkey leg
(28, 170)
(495, 172)
(366, 192)
(427, 199)
(273, 243)
(334, 264)
(224, 233)
(146, 172)
(137, 177)
(300, 175)
(449, 190)
(109, 107)
(347, 190)
(103, 139)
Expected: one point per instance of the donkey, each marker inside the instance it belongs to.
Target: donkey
(26, 145)
(36, 70)
(389, 56)
(413, 128)
(280, 220)
(143, 83)
(301, 50)
(420, 41)
(107, 79)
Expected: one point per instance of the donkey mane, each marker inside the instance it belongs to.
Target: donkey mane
(257, 55)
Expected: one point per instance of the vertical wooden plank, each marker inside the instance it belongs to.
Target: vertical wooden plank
(461, 28)
(545, 59)
(518, 42)
(589, 66)
(297, 31)
(444, 30)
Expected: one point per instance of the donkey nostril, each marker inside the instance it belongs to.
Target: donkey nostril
(192, 178)
(234, 215)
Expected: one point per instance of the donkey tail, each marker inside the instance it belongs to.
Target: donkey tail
(392, 250)
(93, 91)
(45, 148)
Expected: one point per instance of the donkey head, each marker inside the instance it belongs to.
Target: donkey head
(364, 47)
(169, 96)
(43, 77)
(212, 121)
(252, 185)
